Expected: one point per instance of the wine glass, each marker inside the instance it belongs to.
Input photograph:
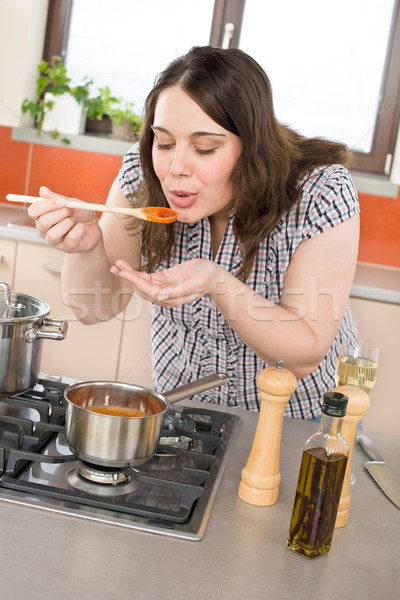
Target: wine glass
(357, 366)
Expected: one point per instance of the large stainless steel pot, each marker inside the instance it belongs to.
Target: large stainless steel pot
(23, 326)
(121, 441)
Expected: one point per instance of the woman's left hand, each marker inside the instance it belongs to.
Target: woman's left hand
(177, 285)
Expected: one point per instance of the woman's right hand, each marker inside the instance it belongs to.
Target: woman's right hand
(69, 230)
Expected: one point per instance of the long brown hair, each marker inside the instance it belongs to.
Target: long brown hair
(235, 92)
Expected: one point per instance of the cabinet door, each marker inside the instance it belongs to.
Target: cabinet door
(135, 357)
(87, 352)
(379, 323)
(7, 260)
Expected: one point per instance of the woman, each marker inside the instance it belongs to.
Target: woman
(258, 266)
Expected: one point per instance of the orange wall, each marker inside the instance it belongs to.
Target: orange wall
(380, 230)
(25, 167)
(88, 175)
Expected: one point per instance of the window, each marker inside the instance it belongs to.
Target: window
(335, 72)
(125, 44)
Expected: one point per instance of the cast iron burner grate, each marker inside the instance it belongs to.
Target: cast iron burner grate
(171, 494)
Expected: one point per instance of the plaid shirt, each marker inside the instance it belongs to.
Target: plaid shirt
(194, 339)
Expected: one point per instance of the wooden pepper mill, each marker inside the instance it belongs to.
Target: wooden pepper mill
(260, 477)
(358, 404)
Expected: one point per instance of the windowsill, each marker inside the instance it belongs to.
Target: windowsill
(86, 142)
(375, 185)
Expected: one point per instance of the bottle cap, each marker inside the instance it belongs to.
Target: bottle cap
(335, 404)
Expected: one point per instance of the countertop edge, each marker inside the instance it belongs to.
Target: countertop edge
(21, 234)
(377, 294)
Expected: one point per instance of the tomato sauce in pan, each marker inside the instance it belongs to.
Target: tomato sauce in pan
(117, 411)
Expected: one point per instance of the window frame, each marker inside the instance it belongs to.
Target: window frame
(57, 29)
(386, 130)
(387, 121)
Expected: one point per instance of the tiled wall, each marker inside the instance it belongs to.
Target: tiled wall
(380, 230)
(88, 176)
(25, 167)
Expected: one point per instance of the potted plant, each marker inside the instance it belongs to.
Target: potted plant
(60, 107)
(125, 123)
(98, 120)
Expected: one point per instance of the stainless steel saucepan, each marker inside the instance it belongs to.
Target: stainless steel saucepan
(119, 424)
(23, 325)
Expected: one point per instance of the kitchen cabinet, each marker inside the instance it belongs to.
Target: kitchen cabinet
(7, 260)
(88, 352)
(134, 364)
(379, 322)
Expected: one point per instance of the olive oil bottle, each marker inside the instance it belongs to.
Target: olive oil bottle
(320, 482)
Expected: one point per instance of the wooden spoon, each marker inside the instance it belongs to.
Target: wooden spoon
(156, 214)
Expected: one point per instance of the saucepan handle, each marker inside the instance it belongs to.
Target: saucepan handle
(196, 387)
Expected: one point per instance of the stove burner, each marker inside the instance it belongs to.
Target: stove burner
(52, 384)
(174, 428)
(106, 475)
(172, 420)
(101, 481)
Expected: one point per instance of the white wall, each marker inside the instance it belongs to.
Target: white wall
(22, 31)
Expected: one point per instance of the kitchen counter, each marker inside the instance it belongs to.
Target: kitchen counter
(376, 282)
(15, 224)
(242, 555)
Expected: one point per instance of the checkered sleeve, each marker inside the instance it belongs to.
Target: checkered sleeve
(130, 174)
(331, 199)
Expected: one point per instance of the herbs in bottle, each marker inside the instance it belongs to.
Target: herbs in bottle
(320, 482)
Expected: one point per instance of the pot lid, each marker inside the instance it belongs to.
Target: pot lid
(16, 307)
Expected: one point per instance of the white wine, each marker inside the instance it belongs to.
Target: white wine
(358, 372)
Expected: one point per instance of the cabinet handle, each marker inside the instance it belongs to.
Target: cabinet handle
(1, 258)
(52, 267)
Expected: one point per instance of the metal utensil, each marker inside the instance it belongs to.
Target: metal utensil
(12, 308)
(378, 470)
(156, 214)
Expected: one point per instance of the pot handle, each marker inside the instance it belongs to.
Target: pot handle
(196, 387)
(7, 297)
(31, 335)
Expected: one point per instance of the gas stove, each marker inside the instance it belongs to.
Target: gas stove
(171, 494)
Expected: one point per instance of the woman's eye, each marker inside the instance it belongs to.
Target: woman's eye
(164, 146)
(204, 152)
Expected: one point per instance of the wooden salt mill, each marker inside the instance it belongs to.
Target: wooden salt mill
(260, 478)
(358, 404)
